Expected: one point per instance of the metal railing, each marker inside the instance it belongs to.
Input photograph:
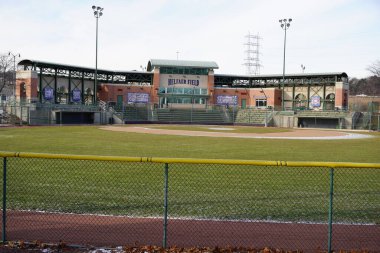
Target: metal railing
(101, 200)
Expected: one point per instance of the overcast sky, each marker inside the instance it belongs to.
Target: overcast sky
(325, 35)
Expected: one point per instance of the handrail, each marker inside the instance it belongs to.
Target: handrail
(192, 160)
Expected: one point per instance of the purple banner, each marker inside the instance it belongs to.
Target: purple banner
(227, 100)
(135, 97)
(315, 101)
(48, 93)
(76, 95)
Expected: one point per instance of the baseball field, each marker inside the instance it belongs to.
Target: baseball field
(40, 189)
(36, 176)
(92, 140)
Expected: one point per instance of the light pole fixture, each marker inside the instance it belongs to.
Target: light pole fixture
(142, 68)
(285, 24)
(303, 68)
(14, 69)
(98, 12)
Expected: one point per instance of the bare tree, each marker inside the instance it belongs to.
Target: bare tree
(374, 68)
(369, 86)
(6, 72)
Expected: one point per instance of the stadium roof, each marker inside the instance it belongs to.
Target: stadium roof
(287, 75)
(180, 63)
(46, 64)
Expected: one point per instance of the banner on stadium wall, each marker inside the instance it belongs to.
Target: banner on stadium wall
(136, 97)
(48, 93)
(76, 96)
(315, 101)
(227, 100)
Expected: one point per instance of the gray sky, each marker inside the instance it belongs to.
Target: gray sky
(325, 35)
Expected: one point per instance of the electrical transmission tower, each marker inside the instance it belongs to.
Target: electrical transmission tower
(252, 54)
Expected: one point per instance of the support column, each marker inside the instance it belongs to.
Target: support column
(40, 93)
(4, 237)
(324, 97)
(95, 88)
(308, 96)
(69, 92)
(210, 86)
(166, 186)
(82, 89)
(55, 86)
(293, 95)
(331, 199)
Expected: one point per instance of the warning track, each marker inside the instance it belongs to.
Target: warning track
(100, 230)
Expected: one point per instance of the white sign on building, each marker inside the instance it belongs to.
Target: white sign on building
(183, 81)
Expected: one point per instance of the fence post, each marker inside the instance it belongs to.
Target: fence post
(4, 238)
(166, 176)
(20, 114)
(331, 209)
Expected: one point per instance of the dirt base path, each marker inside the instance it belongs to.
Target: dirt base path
(294, 133)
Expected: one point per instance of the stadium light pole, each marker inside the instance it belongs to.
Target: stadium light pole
(14, 73)
(98, 12)
(285, 24)
(303, 68)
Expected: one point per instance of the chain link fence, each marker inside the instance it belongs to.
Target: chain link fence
(19, 114)
(89, 200)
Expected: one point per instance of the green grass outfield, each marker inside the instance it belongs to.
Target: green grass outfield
(203, 191)
(91, 140)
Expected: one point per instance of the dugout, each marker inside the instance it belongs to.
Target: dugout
(318, 122)
(63, 117)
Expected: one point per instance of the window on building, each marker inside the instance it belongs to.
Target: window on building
(330, 102)
(187, 91)
(184, 71)
(300, 102)
(261, 102)
(185, 100)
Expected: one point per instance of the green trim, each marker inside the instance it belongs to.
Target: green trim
(180, 63)
(183, 71)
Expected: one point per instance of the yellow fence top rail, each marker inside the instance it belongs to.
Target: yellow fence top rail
(191, 160)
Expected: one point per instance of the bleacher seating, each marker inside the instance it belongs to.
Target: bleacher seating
(323, 114)
(191, 115)
(135, 113)
(252, 116)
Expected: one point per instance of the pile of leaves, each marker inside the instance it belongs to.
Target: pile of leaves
(23, 247)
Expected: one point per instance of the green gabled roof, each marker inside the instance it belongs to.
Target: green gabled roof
(181, 63)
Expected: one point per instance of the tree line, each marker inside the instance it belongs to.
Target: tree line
(369, 86)
(6, 73)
